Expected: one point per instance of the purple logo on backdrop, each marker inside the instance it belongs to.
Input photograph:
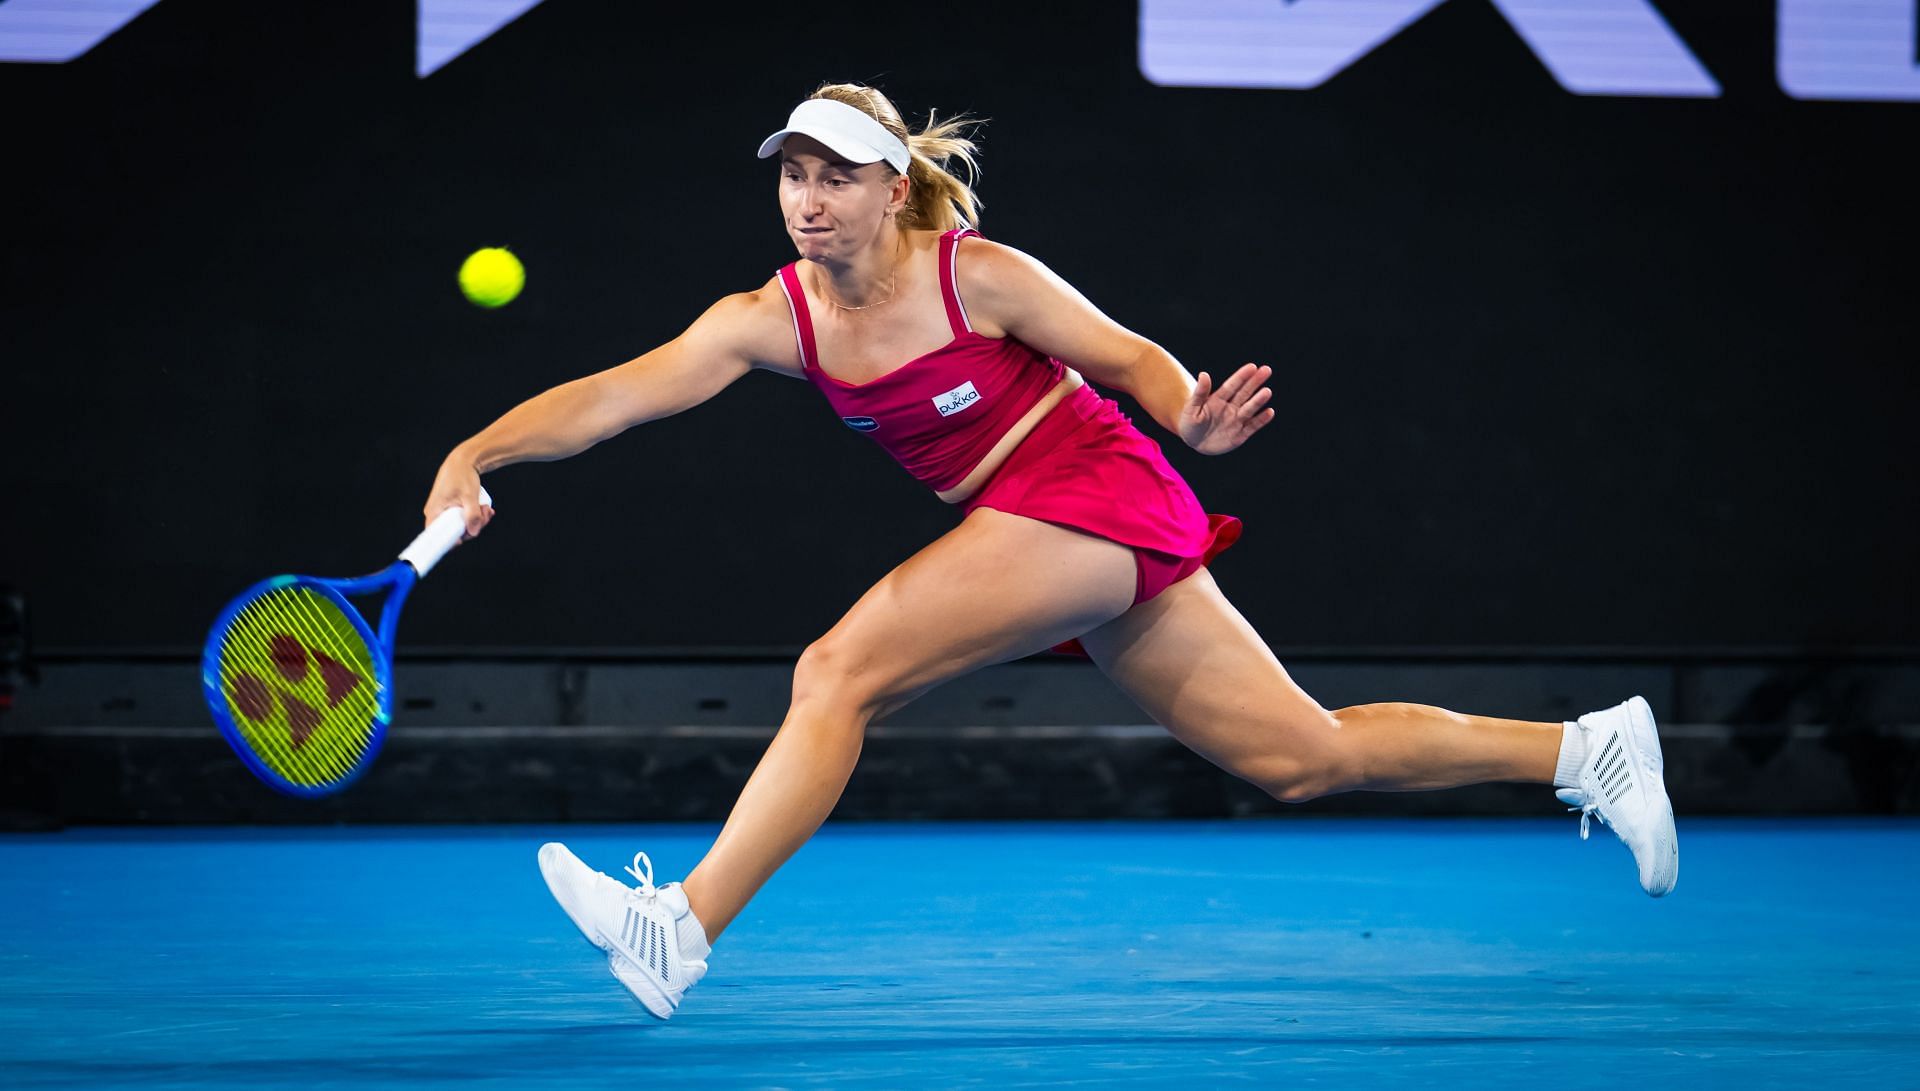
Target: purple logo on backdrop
(54, 31)
(57, 31)
(1860, 49)
(1824, 49)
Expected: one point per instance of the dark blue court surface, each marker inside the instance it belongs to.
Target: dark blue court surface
(1293, 952)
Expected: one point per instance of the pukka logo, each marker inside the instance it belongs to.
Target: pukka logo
(861, 424)
(953, 401)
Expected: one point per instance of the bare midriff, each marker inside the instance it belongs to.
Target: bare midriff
(984, 469)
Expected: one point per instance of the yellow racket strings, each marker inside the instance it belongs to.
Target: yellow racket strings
(306, 719)
(274, 711)
(287, 717)
(275, 739)
(336, 731)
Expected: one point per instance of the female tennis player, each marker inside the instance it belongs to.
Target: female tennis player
(970, 362)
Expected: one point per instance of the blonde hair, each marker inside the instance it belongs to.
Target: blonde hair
(938, 199)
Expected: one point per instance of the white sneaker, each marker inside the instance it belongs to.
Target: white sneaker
(1621, 782)
(654, 944)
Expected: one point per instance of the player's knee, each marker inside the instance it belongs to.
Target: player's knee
(1320, 761)
(833, 671)
(1297, 783)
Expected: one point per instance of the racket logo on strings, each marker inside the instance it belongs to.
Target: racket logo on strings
(298, 681)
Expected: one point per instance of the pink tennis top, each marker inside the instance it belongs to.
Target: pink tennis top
(938, 414)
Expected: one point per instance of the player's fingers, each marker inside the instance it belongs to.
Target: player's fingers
(1231, 389)
(1253, 378)
(1252, 405)
(475, 515)
(1202, 386)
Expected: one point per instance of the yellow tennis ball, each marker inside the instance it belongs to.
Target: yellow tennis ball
(492, 277)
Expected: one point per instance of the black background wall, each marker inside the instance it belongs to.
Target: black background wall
(1552, 370)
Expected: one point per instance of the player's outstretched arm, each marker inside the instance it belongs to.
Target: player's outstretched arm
(572, 417)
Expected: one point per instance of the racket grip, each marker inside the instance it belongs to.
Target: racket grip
(440, 536)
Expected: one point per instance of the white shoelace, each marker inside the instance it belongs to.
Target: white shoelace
(1588, 806)
(646, 889)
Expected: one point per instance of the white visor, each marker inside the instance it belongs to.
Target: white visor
(849, 131)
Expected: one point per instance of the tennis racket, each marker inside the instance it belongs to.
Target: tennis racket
(299, 683)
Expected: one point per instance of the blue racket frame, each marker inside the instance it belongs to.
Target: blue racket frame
(400, 577)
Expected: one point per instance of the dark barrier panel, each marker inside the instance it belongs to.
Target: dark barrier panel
(536, 739)
(1553, 369)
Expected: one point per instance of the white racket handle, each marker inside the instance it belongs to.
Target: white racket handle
(440, 536)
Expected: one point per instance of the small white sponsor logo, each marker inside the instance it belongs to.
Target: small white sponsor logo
(953, 401)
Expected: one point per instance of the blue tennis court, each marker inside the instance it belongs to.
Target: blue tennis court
(1343, 952)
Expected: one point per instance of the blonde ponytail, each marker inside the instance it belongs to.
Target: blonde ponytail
(938, 200)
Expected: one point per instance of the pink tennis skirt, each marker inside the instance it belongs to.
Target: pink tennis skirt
(1086, 466)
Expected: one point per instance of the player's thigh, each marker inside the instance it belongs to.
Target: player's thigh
(1193, 663)
(997, 587)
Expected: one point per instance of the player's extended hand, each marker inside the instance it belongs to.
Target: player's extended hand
(1216, 421)
(458, 486)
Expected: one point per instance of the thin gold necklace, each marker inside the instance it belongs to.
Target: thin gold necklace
(891, 283)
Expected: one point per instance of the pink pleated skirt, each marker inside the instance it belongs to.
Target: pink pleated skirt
(1086, 466)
